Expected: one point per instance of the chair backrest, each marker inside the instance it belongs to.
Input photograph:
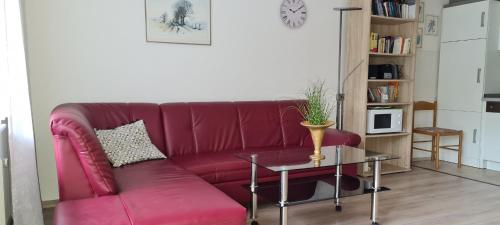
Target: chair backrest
(427, 106)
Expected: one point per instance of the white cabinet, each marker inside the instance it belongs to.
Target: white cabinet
(470, 123)
(461, 75)
(465, 22)
(491, 138)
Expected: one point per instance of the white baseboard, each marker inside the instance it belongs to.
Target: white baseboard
(491, 165)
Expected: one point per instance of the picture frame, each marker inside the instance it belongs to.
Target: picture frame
(431, 26)
(179, 21)
(420, 37)
(421, 11)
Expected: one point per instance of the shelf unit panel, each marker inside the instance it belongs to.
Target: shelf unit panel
(388, 135)
(395, 145)
(388, 80)
(386, 20)
(388, 103)
(390, 54)
(357, 31)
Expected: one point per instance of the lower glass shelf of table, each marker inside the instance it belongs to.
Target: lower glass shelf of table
(315, 189)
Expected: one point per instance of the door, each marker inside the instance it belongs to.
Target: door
(461, 75)
(465, 22)
(5, 190)
(470, 123)
(25, 189)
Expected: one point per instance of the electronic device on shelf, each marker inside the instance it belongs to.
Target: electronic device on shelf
(384, 120)
(384, 71)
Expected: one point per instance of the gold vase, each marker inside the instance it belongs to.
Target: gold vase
(317, 134)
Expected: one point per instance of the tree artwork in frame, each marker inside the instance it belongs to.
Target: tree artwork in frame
(179, 21)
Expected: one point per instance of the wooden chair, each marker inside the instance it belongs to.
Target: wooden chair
(436, 133)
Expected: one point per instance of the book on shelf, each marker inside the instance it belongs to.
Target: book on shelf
(384, 94)
(389, 44)
(406, 46)
(398, 45)
(394, 8)
(374, 42)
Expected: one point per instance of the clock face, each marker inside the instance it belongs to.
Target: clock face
(293, 13)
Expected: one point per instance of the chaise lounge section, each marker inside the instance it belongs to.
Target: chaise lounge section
(201, 182)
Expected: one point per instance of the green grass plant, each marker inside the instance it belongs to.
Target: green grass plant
(317, 109)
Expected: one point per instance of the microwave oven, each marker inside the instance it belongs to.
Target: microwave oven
(384, 121)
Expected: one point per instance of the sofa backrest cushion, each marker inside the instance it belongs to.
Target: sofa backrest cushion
(192, 128)
(260, 124)
(111, 115)
(294, 134)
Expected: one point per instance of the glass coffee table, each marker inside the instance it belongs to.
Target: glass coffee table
(315, 188)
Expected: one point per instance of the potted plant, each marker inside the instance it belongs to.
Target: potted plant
(316, 112)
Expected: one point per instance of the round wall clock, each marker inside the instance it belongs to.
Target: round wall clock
(293, 13)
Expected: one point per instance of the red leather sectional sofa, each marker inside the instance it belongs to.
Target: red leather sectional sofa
(201, 182)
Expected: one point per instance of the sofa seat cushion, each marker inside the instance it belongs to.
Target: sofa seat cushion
(222, 167)
(161, 193)
(93, 211)
(219, 167)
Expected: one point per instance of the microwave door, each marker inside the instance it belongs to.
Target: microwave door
(383, 121)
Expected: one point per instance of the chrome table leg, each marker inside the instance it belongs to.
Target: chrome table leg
(253, 189)
(284, 198)
(376, 188)
(338, 178)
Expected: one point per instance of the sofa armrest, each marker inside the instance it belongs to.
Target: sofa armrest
(79, 154)
(335, 137)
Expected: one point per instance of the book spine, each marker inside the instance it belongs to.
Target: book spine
(374, 42)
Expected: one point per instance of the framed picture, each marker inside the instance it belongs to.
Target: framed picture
(178, 21)
(420, 37)
(431, 25)
(421, 10)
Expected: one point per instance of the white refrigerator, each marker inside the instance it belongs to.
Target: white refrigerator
(469, 36)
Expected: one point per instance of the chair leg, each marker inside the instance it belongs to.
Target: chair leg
(433, 152)
(460, 143)
(438, 137)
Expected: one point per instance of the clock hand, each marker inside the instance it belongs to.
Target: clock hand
(299, 8)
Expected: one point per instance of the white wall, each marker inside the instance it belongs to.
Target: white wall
(95, 51)
(427, 69)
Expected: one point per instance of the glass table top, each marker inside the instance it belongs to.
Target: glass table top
(288, 160)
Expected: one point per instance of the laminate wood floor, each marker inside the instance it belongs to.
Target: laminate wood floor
(482, 175)
(420, 197)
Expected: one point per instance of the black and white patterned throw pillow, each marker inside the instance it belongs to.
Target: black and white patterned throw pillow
(128, 144)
